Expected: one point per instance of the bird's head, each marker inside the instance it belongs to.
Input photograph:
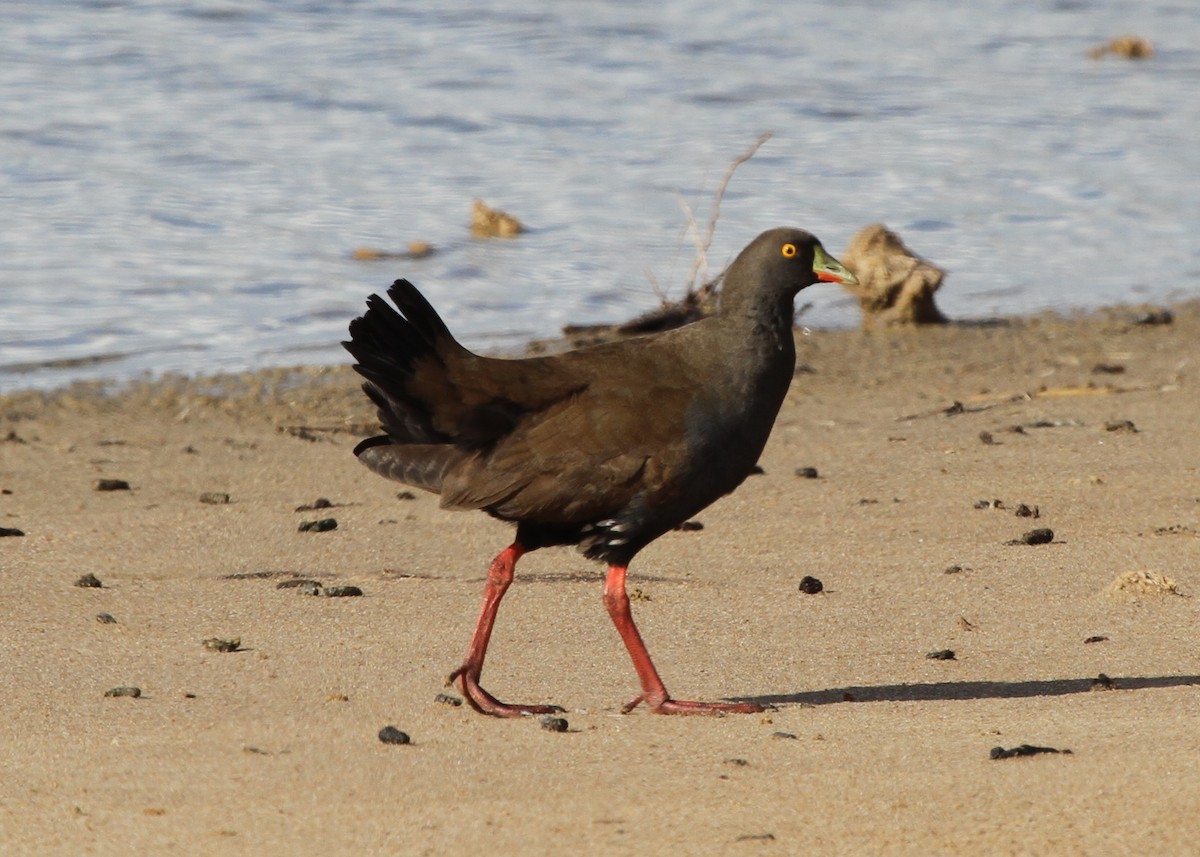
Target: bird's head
(778, 264)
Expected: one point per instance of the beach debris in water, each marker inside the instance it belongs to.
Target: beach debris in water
(1130, 47)
(895, 286)
(487, 222)
(416, 250)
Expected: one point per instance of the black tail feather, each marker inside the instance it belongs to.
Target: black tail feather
(387, 346)
(420, 313)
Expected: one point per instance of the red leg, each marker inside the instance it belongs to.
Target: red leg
(654, 693)
(500, 575)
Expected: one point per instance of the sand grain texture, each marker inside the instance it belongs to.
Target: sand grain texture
(273, 748)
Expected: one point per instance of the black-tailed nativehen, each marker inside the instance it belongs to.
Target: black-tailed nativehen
(606, 447)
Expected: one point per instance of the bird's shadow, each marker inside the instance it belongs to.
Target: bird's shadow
(963, 690)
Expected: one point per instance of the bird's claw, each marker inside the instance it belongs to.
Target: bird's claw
(680, 706)
(485, 703)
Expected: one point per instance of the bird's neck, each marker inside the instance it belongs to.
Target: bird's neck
(766, 323)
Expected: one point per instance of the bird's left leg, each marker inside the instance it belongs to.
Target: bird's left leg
(500, 576)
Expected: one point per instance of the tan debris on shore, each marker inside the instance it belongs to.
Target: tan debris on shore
(895, 286)
(1133, 583)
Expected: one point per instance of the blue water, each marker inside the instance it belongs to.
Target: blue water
(182, 184)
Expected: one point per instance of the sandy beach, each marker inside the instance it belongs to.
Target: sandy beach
(873, 747)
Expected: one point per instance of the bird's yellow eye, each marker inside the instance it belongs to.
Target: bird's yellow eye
(789, 250)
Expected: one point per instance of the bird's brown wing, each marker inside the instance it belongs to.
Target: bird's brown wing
(584, 457)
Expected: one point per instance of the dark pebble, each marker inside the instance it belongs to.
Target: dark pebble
(10, 531)
(1096, 639)
(1023, 511)
(324, 525)
(985, 437)
(1103, 682)
(1023, 750)
(319, 503)
(1155, 317)
(297, 582)
(1040, 536)
(784, 735)
(952, 569)
(112, 485)
(989, 504)
(448, 699)
(807, 472)
(406, 495)
(941, 655)
(1108, 369)
(214, 498)
(810, 585)
(89, 581)
(1126, 426)
(341, 592)
(106, 619)
(553, 724)
(738, 763)
(690, 527)
(392, 735)
(124, 690)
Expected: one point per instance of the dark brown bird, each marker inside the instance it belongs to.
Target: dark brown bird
(607, 447)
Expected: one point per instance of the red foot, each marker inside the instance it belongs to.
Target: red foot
(680, 706)
(485, 703)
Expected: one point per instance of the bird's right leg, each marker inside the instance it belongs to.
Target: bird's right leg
(500, 575)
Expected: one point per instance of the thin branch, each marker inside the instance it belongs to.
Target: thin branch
(693, 229)
(701, 262)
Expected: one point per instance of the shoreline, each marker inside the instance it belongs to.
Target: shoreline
(1133, 314)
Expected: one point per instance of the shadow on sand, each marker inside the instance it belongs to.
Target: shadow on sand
(950, 690)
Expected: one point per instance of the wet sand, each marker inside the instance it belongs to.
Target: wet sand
(873, 748)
